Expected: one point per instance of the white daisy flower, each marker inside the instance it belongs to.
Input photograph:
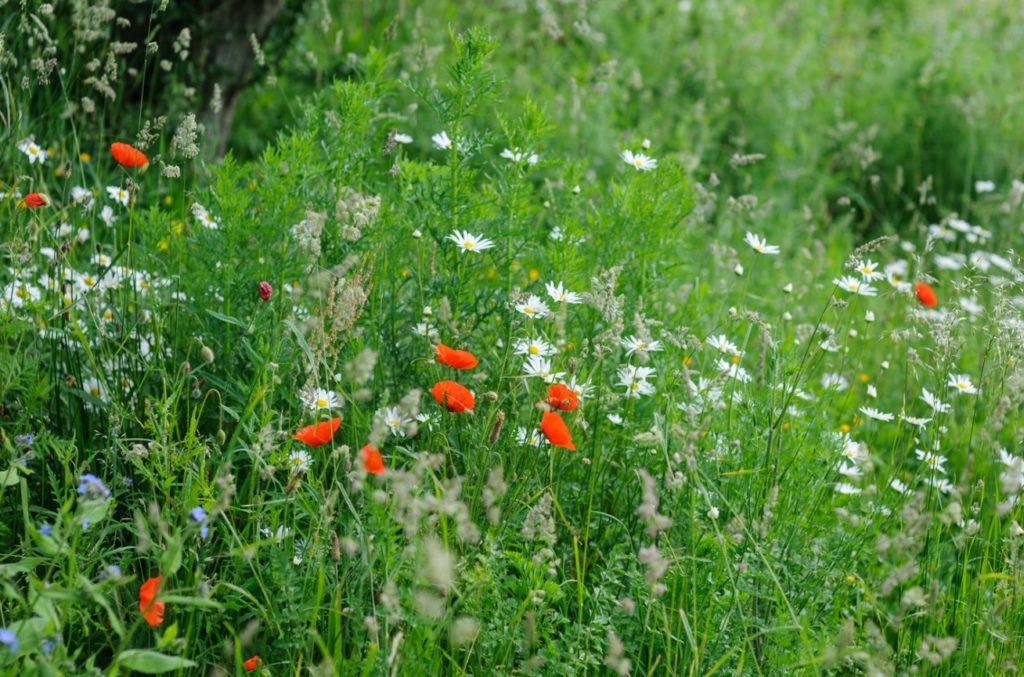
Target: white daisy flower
(529, 438)
(984, 186)
(94, 387)
(395, 421)
(403, 138)
(319, 398)
(846, 489)
(533, 306)
(638, 161)
(634, 380)
(722, 344)
(868, 270)
(107, 215)
(540, 366)
(854, 286)
(837, 381)
(962, 384)
(937, 405)
(204, 217)
(933, 461)
(940, 483)
(760, 245)
(442, 141)
(877, 415)
(118, 194)
(35, 153)
(633, 344)
(900, 487)
(535, 346)
(470, 243)
(298, 461)
(733, 370)
(81, 197)
(516, 155)
(558, 294)
(913, 420)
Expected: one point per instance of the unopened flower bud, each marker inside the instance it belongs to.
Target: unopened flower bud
(265, 291)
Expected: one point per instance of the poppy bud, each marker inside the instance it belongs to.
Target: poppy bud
(33, 200)
(265, 291)
(926, 295)
(252, 664)
(128, 156)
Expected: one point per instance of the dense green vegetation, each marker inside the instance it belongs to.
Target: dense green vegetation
(739, 292)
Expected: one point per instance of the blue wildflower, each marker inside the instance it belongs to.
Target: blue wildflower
(45, 529)
(199, 516)
(92, 486)
(8, 639)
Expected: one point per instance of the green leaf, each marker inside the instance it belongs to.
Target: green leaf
(191, 601)
(226, 318)
(151, 662)
(9, 477)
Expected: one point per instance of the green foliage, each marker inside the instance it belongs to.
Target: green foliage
(742, 507)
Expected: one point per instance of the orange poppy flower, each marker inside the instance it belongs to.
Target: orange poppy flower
(128, 156)
(252, 664)
(454, 397)
(152, 609)
(555, 430)
(33, 200)
(926, 295)
(562, 397)
(318, 433)
(373, 462)
(456, 359)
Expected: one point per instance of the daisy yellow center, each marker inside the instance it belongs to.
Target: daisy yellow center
(32, 150)
(108, 315)
(94, 391)
(634, 386)
(469, 244)
(534, 350)
(321, 402)
(638, 162)
(528, 310)
(20, 292)
(393, 423)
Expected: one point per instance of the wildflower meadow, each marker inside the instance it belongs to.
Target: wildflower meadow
(533, 337)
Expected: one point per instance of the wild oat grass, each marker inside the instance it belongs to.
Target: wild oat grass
(612, 338)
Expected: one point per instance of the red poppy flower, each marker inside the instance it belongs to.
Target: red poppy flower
(127, 156)
(562, 397)
(318, 433)
(33, 200)
(152, 609)
(252, 664)
(926, 295)
(373, 462)
(456, 359)
(454, 397)
(555, 430)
